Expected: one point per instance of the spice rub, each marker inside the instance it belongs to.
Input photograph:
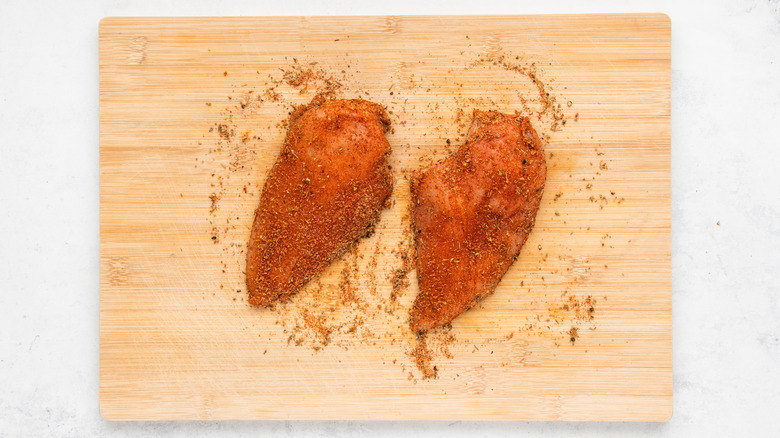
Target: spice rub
(472, 212)
(324, 192)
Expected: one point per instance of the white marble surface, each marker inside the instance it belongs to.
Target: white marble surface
(726, 169)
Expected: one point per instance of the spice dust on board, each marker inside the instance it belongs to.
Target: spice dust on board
(363, 299)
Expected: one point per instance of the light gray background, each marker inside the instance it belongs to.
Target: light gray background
(726, 168)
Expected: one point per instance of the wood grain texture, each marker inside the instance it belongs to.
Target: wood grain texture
(175, 343)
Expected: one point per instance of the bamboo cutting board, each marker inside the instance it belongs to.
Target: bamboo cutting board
(192, 116)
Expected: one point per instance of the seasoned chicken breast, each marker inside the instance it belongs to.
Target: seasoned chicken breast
(472, 212)
(324, 192)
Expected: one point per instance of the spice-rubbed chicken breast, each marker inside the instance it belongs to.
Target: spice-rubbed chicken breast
(472, 212)
(324, 192)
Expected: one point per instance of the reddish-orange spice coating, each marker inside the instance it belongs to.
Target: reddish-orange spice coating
(324, 192)
(472, 212)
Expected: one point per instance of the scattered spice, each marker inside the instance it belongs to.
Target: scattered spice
(214, 200)
(354, 304)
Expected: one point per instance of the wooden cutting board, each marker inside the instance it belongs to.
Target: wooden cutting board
(192, 116)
